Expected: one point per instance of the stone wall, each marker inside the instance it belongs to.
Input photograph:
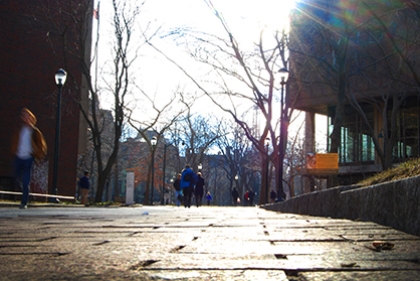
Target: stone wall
(394, 204)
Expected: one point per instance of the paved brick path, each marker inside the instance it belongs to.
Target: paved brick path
(207, 243)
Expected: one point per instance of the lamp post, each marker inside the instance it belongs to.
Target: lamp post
(267, 143)
(237, 186)
(171, 193)
(283, 74)
(162, 199)
(153, 141)
(60, 79)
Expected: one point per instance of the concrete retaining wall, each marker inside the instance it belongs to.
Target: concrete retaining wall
(394, 204)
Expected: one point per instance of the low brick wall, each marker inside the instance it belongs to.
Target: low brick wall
(394, 204)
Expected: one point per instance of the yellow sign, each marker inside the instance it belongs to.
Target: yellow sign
(322, 161)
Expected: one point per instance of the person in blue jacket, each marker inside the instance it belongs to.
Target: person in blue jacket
(188, 181)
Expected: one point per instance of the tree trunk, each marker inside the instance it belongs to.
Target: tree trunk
(264, 180)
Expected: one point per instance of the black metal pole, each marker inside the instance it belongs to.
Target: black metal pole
(281, 142)
(153, 175)
(267, 199)
(57, 140)
(162, 199)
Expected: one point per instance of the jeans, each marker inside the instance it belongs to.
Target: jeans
(187, 196)
(178, 203)
(22, 172)
(198, 199)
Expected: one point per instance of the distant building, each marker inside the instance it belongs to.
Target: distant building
(32, 51)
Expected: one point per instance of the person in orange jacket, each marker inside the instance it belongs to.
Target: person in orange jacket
(28, 144)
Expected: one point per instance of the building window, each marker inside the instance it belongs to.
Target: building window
(408, 123)
(356, 146)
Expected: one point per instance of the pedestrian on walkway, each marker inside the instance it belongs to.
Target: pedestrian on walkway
(199, 190)
(251, 196)
(188, 181)
(235, 196)
(177, 187)
(84, 184)
(208, 198)
(246, 198)
(273, 195)
(28, 144)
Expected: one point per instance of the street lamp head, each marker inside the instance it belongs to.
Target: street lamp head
(200, 166)
(236, 177)
(153, 141)
(283, 74)
(267, 141)
(60, 77)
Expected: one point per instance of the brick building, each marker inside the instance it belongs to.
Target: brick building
(36, 37)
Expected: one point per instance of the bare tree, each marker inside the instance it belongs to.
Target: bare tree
(161, 118)
(240, 161)
(195, 136)
(395, 76)
(116, 78)
(254, 71)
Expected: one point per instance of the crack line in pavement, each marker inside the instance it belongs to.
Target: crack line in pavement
(17, 245)
(36, 254)
(142, 264)
(416, 261)
(101, 243)
(177, 249)
(327, 240)
(46, 239)
(134, 233)
(280, 256)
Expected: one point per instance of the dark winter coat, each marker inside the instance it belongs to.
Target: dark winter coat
(199, 187)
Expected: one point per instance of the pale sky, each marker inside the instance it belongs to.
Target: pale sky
(245, 18)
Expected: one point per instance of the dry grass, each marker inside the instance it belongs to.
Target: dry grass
(404, 170)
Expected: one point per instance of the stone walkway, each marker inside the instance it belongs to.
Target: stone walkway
(207, 243)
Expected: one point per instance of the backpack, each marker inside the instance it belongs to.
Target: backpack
(188, 177)
(39, 145)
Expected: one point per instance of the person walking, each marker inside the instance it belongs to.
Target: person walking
(177, 187)
(199, 190)
(246, 198)
(273, 195)
(235, 196)
(188, 180)
(251, 196)
(28, 144)
(208, 198)
(84, 184)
